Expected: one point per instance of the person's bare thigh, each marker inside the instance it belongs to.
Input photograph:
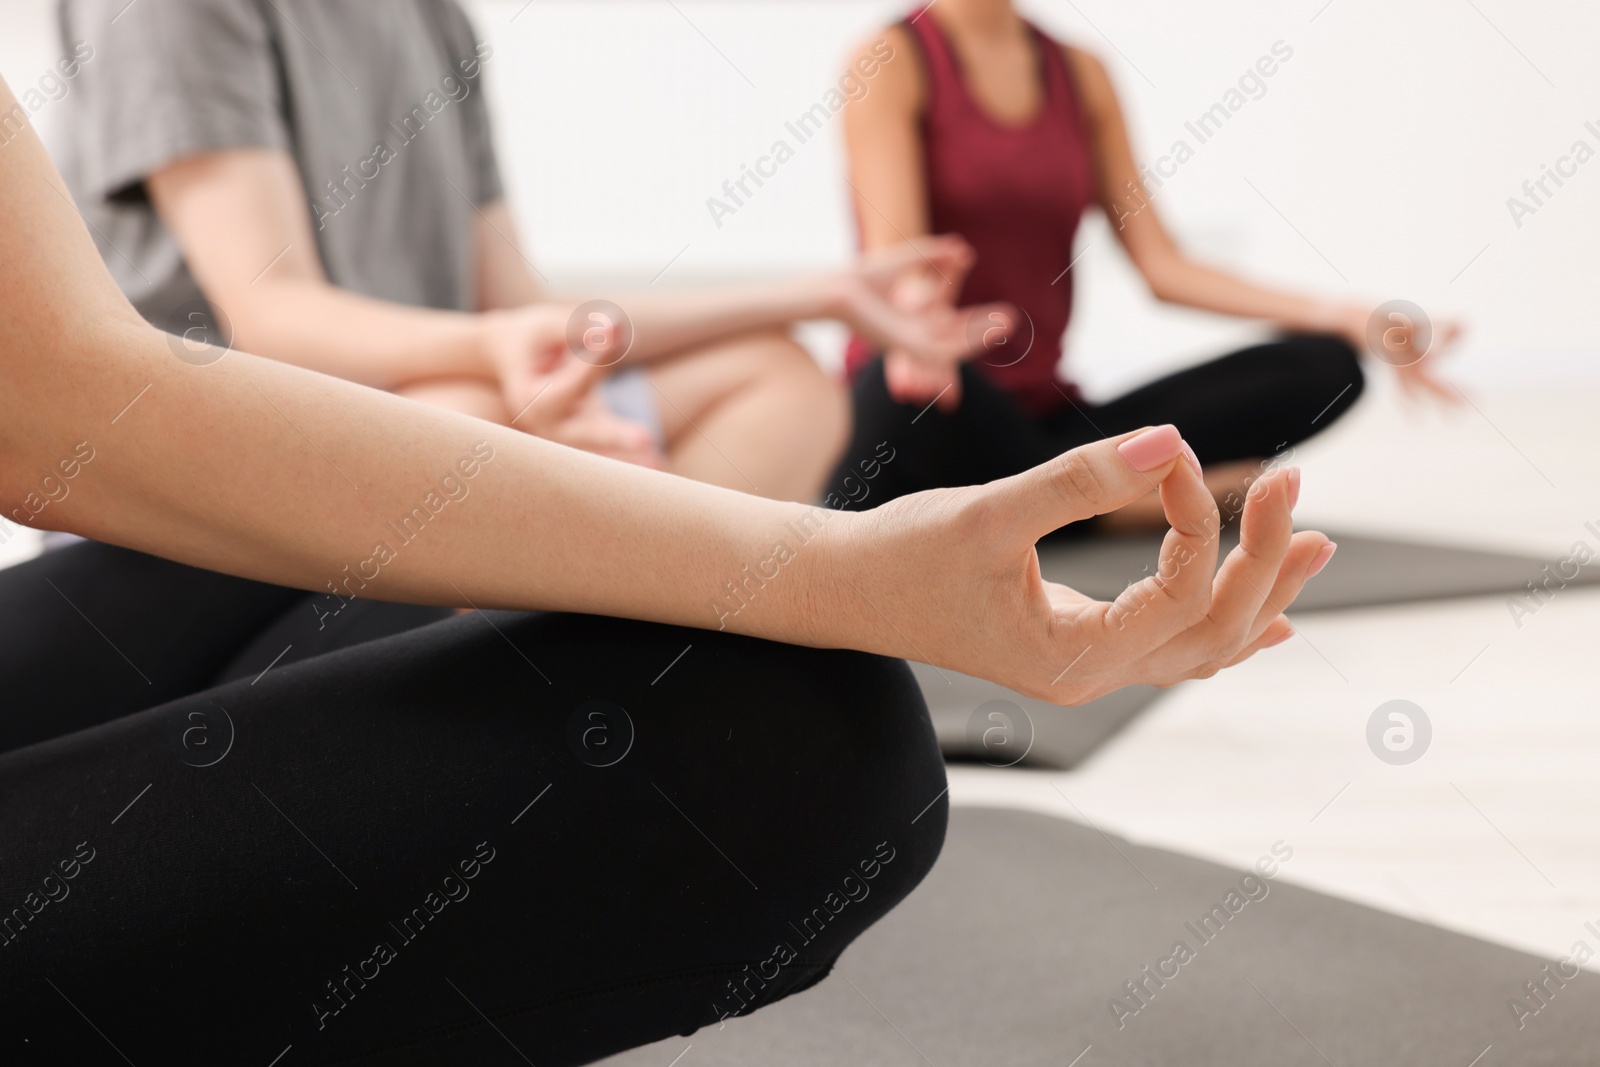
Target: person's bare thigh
(694, 383)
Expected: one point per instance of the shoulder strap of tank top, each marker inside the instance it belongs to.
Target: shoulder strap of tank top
(1057, 69)
(940, 71)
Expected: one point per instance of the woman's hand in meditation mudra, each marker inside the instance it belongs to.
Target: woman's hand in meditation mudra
(954, 575)
(905, 300)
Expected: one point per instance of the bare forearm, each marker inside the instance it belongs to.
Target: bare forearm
(320, 327)
(1195, 285)
(264, 470)
(670, 322)
(663, 322)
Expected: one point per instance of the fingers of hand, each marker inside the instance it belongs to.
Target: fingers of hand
(571, 382)
(912, 381)
(884, 264)
(1270, 627)
(604, 433)
(1102, 478)
(1246, 578)
(1276, 633)
(988, 328)
(948, 254)
(1305, 549)
(919, 290)
(1150, 612)
(913, 324)
(1245, 590)
(1090, 480)
(949, 395)
(1444, 338)
(600, 342)
(1175, 663)
(900, 374)
(542, 402)
(546, 358)
(645, 457)
(1440, 388)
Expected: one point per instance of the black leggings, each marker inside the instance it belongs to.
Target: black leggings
(1248, 405)
(473, 840)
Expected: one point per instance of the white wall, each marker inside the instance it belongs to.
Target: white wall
(1390, 141)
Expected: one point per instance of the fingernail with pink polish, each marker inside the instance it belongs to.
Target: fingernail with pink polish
(1193, 458)
(1276, 641)
(1152, 448)
(1321, 560)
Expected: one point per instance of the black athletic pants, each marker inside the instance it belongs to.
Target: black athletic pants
(227, 835)
(1248, 405)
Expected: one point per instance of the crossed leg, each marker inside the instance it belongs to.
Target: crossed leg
(753, 413)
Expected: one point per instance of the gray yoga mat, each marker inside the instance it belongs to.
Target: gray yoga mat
(1011, 951)
(1366, 571)
(979, 721)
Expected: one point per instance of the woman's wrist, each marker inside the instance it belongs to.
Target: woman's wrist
(1328, 316)
(491, 344)
(832, 608)
(797, 577)
(834, 295)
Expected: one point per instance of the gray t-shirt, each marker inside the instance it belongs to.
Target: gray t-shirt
(381, 106)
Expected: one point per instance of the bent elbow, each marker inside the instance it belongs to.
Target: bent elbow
(1160, 284)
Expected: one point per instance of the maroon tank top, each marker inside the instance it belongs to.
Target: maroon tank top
(1016, 193)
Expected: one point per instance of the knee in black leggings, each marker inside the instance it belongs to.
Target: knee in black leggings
(776, 802)
(1254, 403)
(899, 448)
(1329, 371)
(824, 816)
(745, 810)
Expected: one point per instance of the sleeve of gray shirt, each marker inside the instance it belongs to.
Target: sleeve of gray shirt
(471, 53)
(171, 78)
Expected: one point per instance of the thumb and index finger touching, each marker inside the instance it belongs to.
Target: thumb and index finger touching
(1105, 476)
